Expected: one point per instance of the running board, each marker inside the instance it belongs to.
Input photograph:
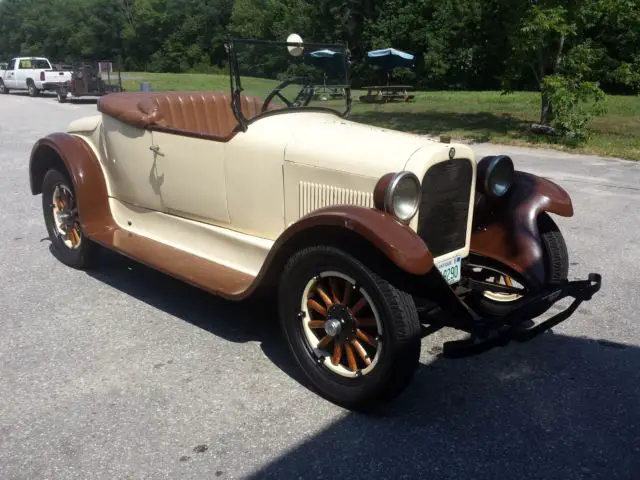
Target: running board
(197, 271)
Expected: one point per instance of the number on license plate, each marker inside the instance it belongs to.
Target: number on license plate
(451, 269)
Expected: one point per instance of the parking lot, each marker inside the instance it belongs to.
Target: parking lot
(123, 372)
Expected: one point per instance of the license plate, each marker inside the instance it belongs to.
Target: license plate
(451, 269)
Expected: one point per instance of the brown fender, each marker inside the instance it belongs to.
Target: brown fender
(507, 231)
(396, 241)
(85, 172)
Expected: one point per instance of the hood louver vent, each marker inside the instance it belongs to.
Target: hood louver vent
(314, 196)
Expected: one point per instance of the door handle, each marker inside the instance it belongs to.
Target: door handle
(156, 150)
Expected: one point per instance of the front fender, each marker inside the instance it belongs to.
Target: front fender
(334, 224)
(507, 231)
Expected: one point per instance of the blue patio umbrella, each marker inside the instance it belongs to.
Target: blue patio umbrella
(322, 54)
(390, 58)
(330, 62)
(326, 59)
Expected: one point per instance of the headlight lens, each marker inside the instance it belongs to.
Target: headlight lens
(403, 196)
(497, 175)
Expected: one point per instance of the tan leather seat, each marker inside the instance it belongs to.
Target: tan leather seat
(203, 114)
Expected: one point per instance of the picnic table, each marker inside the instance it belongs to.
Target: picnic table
(387, 93)
(325, 92)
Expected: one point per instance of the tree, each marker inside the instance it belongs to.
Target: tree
(459, 44)
(569, 50)
(270, 19)
(557, 42)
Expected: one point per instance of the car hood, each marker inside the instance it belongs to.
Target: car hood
(330, 142)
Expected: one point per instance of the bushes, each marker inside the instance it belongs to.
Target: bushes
(572, 102)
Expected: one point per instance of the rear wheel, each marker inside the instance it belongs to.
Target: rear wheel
(356, 337)
(61, 94)
(33, 91)
(60, 211)
(3, 88)
(556, 263)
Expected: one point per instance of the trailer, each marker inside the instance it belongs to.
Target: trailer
(90, 79)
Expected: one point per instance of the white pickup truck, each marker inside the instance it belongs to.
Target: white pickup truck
(33, 74)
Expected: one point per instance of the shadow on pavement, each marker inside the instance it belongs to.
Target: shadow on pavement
(240, 322)
(482, 125)
(52, 96)
(558, 407)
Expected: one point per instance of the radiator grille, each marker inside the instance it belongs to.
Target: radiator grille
(314, 196)
(444, 208)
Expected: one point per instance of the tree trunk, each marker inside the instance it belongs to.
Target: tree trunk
(546, 112)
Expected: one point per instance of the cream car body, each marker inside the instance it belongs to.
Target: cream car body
(229, 202)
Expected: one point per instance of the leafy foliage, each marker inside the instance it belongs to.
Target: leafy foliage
(565, 49)
(574, 102)
(568, 47)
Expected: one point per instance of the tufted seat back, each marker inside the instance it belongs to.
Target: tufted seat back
(203, 114)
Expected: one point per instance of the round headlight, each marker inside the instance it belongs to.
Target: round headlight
(402, 197)
(497, 175)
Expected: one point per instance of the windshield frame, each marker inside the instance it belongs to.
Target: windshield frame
(236, 81)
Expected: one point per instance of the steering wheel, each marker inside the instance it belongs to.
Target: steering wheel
(302, 99)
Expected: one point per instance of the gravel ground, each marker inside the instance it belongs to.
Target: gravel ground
(126, 373)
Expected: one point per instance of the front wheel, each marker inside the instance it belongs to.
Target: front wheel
(60, 211)
(556, 264)
(356, 337)
(3, 88)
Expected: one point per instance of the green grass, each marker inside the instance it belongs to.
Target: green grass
(192, 82)
(466, 116)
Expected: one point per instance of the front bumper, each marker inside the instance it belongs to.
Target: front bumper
(489, 332)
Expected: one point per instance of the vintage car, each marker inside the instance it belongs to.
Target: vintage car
(367, 238)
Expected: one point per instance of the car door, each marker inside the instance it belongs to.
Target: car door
(255, 179)
(10, 76)
(23, 69)
(132, 168)
(192, 170)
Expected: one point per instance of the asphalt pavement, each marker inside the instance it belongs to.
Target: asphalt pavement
(126, 373)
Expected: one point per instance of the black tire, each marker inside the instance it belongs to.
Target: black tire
(82, 257)
(556, 256)
(3, 89)
(401, 336)
(556, 264)
(33, 91)
(61, 96)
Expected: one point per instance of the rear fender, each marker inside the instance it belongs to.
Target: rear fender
(507, 231)
(70, 153)
(85, 125)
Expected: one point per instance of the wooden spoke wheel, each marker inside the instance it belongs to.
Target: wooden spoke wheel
(60, 210)
(356, 337)
(341, 324)
(556, 264)
(65, 214)
(502, 279)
